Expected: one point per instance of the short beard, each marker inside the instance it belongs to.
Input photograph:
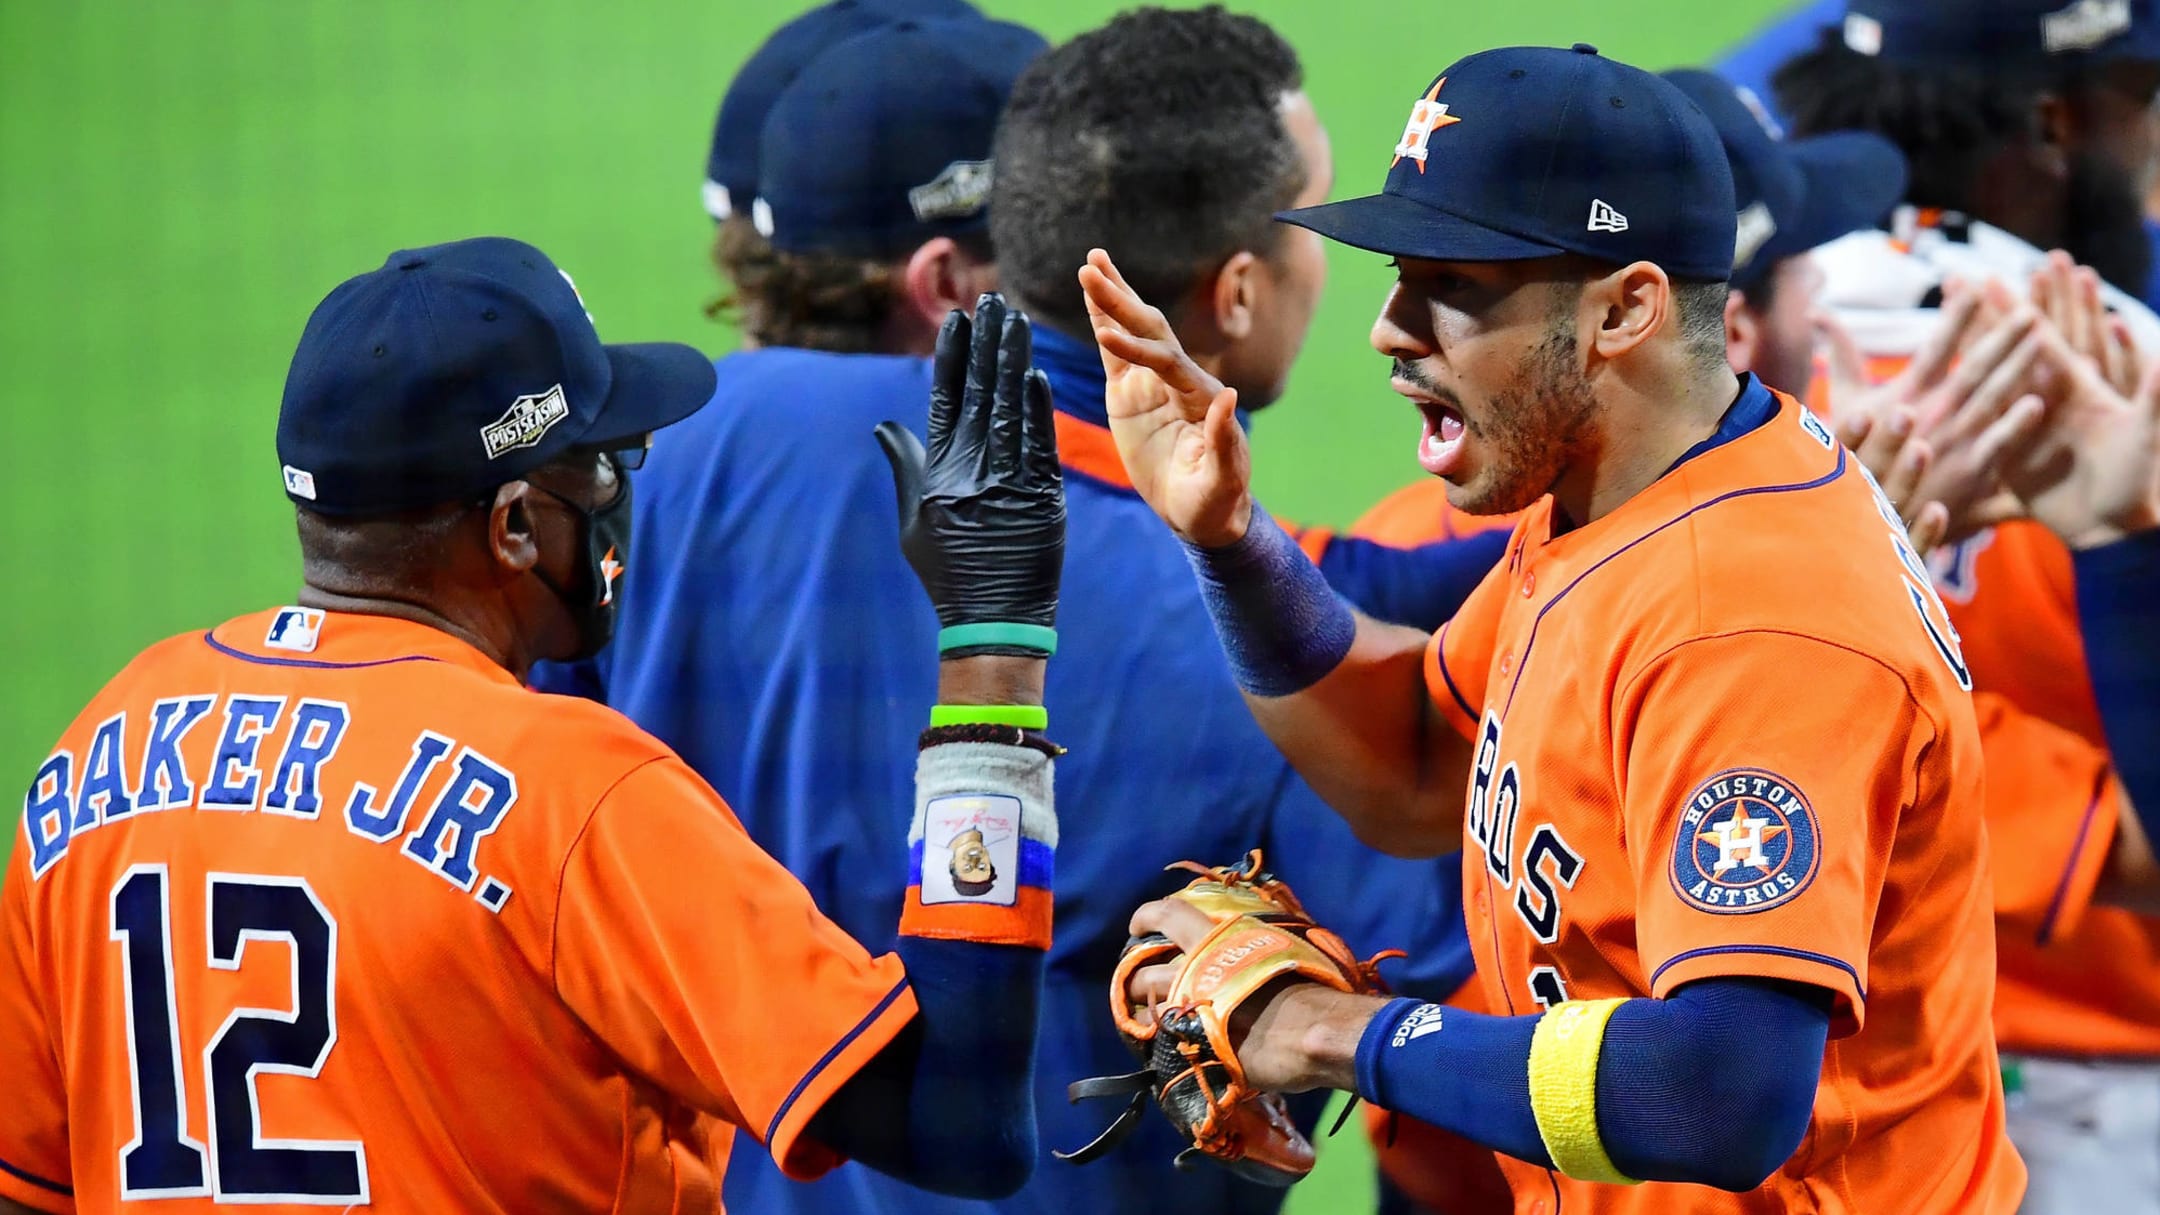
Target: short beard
(1535, 429)
(2104, 224)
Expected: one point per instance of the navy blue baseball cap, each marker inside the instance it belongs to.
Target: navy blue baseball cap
(456, 368)
(2002, 33)
(1792, 194)
(883, 142)
(731, 166)
(1533, 152)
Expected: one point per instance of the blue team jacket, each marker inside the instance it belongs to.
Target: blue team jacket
(771, 632)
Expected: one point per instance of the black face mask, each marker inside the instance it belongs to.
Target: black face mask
(607, 550)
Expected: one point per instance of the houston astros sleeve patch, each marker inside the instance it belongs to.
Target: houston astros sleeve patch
(1746, 843)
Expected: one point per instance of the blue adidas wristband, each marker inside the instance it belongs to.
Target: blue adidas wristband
(1281, 625)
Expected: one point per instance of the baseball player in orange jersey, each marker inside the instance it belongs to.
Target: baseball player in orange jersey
(1703, 734)
(320, 907)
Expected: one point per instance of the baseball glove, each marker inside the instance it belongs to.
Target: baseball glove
(1189, 1064)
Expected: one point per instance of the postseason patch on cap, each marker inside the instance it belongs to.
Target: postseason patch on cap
(960, 191)
(1746, 843)
(2083, 25)
(525, 423)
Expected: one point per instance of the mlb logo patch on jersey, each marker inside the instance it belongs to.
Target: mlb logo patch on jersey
(1747, 842)
(295, 628)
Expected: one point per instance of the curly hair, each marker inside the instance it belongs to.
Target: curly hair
(815, 301)
(1159, 137)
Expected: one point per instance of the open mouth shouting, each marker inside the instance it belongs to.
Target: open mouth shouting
(1440, 447)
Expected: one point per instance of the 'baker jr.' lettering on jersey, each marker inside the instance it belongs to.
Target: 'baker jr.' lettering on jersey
(70, 797)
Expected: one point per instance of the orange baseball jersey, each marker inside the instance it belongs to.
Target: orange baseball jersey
(2071, 980)
(326, 910)
(1723, 731)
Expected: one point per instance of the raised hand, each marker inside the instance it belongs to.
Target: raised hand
(1932, 433)
(2089, 473)
(1899, 461)
(982, 513)
(2068, 295)
(1175, 425)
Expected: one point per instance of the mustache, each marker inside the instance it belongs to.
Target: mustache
(1413, 375)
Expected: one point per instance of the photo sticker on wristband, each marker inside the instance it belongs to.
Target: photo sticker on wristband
(971, 850)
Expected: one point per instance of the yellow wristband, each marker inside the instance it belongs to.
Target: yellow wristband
(1563, 1088)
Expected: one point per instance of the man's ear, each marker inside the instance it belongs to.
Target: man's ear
(939, 277)
(1630, 306)
(1743, 332)
(513, 528)
(1234, 300)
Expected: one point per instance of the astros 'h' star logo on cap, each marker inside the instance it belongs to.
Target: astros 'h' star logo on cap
(1427, 116)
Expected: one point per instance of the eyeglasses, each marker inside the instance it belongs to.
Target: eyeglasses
(625, 458)
(621, 457)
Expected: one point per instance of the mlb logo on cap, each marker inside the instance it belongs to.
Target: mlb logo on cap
(295, 628)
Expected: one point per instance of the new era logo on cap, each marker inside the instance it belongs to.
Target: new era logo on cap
(1604, 219)
(523, 424)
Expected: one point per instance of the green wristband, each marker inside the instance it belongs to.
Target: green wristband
(1025, 636)
(1026, 717)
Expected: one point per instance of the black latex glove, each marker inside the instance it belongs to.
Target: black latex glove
(982, 514)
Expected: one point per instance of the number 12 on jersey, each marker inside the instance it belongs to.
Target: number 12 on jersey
(239, 1164)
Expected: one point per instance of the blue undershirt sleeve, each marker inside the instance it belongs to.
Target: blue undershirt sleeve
(1281, 625)
(949, 1104)
(1469, 1073)
(1421, 587)
(2118, 598)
